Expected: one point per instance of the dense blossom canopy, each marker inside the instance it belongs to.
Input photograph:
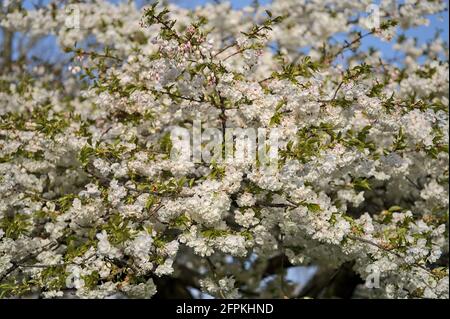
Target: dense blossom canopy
(93, 205)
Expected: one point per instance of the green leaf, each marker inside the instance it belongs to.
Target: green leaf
(214, 233)
(395, 209)
(361, 184)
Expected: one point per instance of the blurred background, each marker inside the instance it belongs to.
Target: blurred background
(47, 49)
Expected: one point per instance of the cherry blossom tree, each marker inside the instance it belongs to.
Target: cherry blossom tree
(93, 203)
